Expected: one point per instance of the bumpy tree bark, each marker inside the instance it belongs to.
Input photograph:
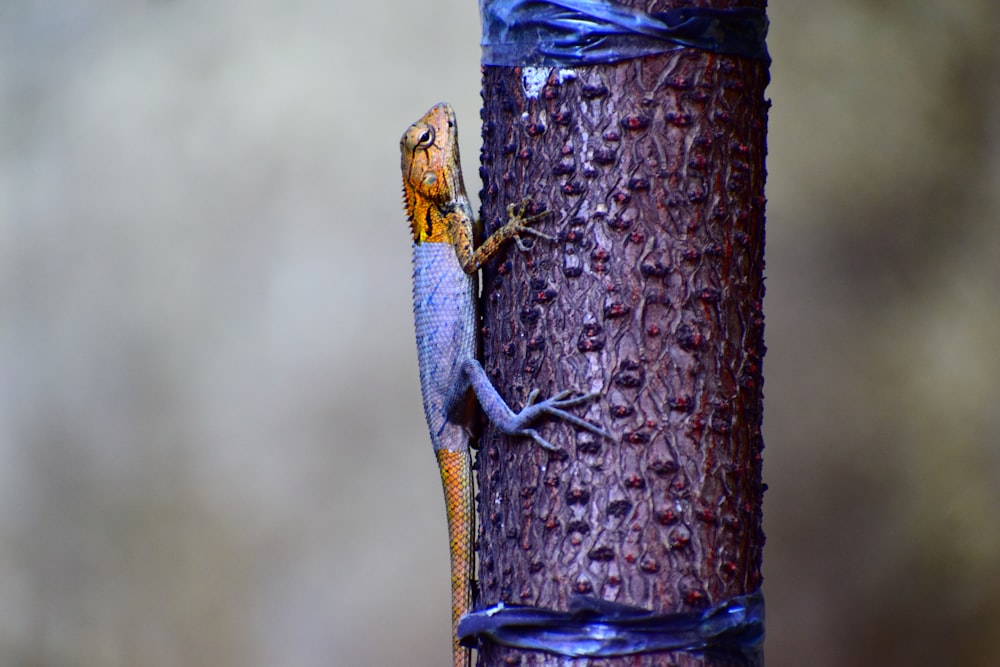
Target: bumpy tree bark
(653, 171)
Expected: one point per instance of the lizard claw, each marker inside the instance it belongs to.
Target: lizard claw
(534, 435)
(532, 397)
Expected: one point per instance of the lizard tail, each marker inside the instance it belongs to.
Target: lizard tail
(456, 477)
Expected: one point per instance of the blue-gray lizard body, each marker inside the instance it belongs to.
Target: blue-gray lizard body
(445, 264)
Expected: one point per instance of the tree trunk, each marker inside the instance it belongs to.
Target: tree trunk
(653, 171)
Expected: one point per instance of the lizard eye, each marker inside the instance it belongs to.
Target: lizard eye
(427, 138)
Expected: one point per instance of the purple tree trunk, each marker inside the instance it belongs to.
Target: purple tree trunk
(653, 171)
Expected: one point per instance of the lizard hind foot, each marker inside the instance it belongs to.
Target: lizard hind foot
(555, 406)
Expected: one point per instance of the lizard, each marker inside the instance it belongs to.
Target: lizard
(445, 268)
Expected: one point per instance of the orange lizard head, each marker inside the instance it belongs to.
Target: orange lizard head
(432, 173)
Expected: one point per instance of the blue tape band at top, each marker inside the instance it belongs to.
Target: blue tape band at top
(585, 32)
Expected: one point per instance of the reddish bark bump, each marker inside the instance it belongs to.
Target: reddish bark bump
(562, 117)
(654, 268)
(577, 496)
(637, 438)
(622, 411)
(602, 553)
(593, 91)
(678, 82)
(616, 309)
(663, 467)
(635, 122)
(678, 119)
(591, 338)
(667, 516)
(630, 375)
(619, 508)
(534, 129)
(564, 168)
(605, 156)
(638, 184)
(634, 481)
(649, 565)
(689, 338)
(679, 537)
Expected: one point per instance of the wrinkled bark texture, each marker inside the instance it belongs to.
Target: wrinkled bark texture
(653, 173)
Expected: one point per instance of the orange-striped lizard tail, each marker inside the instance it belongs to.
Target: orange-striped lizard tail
(445, 266)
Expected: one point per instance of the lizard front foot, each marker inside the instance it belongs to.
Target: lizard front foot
(518, 221)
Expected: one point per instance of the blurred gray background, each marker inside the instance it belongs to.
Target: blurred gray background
(212, 450)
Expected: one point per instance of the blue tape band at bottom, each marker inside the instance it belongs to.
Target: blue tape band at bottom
(596, 628)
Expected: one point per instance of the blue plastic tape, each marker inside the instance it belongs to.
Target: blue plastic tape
(597, 628)
(577, 32)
